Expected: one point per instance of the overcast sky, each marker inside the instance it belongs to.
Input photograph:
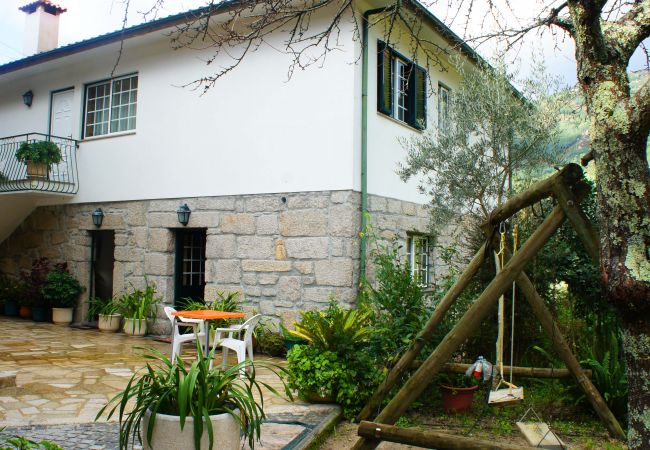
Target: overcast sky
(88, 18)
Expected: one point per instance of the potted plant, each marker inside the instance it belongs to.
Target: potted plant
(10, 291)
(176, 407)
(331, 367)
(136, 307)
(61, 289)
(30, 288)
(106, 310)
(25, 303)
(38, 156)
(458, 392)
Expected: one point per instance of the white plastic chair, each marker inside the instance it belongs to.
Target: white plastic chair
(239, 346)
(179, 338)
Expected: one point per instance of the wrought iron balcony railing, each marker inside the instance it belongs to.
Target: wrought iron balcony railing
(59, 177)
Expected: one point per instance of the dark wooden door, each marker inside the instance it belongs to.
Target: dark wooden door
(190, 264)
(103, 260)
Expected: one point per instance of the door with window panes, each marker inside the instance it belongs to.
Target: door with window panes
(190, 264)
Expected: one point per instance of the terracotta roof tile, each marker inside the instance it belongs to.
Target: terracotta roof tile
(47, 5)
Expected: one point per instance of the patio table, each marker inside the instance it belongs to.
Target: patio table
(207, 315)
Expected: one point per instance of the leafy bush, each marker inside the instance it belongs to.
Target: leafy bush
(349, 379)
(271, 343)
(61, 289)
(8, 442)
(171, 388)
(45, 152)
(396, 301)
(32, 282)
(334, 363)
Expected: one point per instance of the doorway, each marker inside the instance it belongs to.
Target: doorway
(61, 113)
(190, 264)
(102, 262)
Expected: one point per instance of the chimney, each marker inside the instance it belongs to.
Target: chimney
(41, 26)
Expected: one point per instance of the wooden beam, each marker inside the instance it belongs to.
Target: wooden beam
(570, 174)
(470, 321)
(578, 219)
(430, 439)
(423, 336)
(529, 372)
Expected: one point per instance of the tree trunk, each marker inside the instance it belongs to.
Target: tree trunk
(623, 182)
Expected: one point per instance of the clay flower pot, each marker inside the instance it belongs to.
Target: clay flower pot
(457, 399)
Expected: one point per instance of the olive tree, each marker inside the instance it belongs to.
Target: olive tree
(492, 132)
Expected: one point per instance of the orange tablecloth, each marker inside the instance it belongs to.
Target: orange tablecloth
(207, 314)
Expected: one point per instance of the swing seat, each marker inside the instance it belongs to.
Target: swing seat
(538, 434)
(507, 396)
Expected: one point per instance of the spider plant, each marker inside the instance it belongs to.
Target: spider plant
(140, 303)
(163, 387)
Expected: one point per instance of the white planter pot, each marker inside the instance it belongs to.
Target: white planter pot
(62, 316)
(167, 433)
(135, 327)
(109, 322)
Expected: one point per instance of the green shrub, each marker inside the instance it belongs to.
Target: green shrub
(334, 363)
(45, 152)
(61, 289)
(396, 301)
(102, 306)
(348, 379)
(21, 443)
(271, 343)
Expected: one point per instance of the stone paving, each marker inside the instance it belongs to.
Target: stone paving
(65, 375)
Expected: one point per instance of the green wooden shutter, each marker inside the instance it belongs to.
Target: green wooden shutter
(384, 79)
(419, 97)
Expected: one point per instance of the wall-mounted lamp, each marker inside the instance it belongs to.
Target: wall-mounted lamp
(98, 216)
(183, 212)
(28, 97)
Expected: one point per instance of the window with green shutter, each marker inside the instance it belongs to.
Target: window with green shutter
(401, 87)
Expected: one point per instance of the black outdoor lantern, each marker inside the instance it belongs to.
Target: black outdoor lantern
(183, 212)
(98, 216)
(28, 97)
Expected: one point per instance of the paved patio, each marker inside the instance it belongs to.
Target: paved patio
(65, 375)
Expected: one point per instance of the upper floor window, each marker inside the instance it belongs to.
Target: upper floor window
(111, 106)
(419, 257)
(443, 107)
(401, 87)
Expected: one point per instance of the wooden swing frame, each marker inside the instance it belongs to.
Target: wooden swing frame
(568, 188)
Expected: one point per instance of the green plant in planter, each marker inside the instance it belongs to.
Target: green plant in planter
(332, 364)
(101, 306)
(271, 343)
(61, 289)
(163, 387)
(458, 380)
(43, 152)
(139, 304)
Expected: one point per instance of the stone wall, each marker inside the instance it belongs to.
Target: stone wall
(284, 252)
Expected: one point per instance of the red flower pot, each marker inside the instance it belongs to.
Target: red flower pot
(455, 399)
(25, 312)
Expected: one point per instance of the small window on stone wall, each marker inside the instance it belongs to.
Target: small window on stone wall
(419, 250)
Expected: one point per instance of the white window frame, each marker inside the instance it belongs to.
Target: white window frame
(443, 107)
(419, 262)
(109, 107)
(400, 89)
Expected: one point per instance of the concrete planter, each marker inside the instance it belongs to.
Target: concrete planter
(135, 327)
(167, 433)
(62, 316)
(109, 323)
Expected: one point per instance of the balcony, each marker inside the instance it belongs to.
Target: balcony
(60, 178)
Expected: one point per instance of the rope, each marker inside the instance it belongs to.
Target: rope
(515, 239)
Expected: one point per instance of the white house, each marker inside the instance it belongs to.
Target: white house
(275, 173)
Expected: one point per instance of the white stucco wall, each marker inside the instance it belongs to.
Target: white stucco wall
(254, 132)
(384, 133)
